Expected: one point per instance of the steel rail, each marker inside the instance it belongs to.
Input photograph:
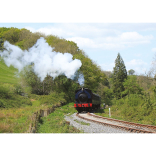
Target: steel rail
(127, 128)
(149, 127)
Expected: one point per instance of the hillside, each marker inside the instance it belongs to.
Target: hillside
(7, 74)
(22, 96)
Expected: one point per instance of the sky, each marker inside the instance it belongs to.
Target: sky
(136, 42)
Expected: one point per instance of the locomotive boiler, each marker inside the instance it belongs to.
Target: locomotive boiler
(85, 100)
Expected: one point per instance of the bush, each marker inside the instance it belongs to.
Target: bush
(5, 92)
(1, 104)
(52, 98)
(107, 96)
(133, 100)
(9, 97)
(16, 101)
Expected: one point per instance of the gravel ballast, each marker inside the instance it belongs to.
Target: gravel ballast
(91, 127)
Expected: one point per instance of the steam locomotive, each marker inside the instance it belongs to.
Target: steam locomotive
(85, 100)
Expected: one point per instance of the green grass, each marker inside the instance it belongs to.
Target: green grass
(55, 122)
(82, 123)
(8, 74)
(17, 120)
(105, 113)
(133, 110)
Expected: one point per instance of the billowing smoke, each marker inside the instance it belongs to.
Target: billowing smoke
(45, 61)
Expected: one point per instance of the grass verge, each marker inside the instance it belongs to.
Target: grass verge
(134, 114)
(7, 74)
(17, 120)
(55, 122)
(82, 123)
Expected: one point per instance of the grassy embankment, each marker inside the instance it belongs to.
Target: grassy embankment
(55, 122)
(16, 110)
(132, 109)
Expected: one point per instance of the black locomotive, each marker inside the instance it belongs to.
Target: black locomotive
(85, 100)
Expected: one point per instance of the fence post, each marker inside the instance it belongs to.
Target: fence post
(109, 113)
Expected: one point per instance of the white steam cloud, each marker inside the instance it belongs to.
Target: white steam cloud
(81, 79)
(45, 61)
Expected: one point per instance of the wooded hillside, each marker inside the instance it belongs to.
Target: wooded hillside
(93, 75)
(132, 97)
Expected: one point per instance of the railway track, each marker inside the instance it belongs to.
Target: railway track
(128, 126)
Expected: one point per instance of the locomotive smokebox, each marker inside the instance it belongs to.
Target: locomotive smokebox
(85, 100)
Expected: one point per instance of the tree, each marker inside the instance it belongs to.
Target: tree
(12, 35)
(107, 96)
(1, 44)
(131, 72)
(119, 76)
(131, 86)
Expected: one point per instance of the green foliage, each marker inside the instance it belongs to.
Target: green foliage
(27, 39)
(3, 30)
(20, 37)
(62, 45)
(82, 123)
(107, 96)
(55, 122)
(52, 98)
(5, 92)
(133, 100)
(119, 76)
(12, 35)
(146, 82)
(68, 86)
(131, 72)
(131, 86)
(60, 84)
(1, 44)
(9, 97)
(138, 108)
(7, 74)
(31, 79)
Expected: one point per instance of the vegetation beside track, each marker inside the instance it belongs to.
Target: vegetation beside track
(132, 108)
(17, 120)
(55, 122)
(81, 122)
(131, 97)
(17, 103)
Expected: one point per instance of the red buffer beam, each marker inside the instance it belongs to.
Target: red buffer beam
(83, 105)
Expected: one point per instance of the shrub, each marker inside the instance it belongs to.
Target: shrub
(5, 92)
(1, 104)
(52, 98)
(9, 96)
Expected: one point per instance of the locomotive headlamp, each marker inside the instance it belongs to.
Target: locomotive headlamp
(83, 97)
